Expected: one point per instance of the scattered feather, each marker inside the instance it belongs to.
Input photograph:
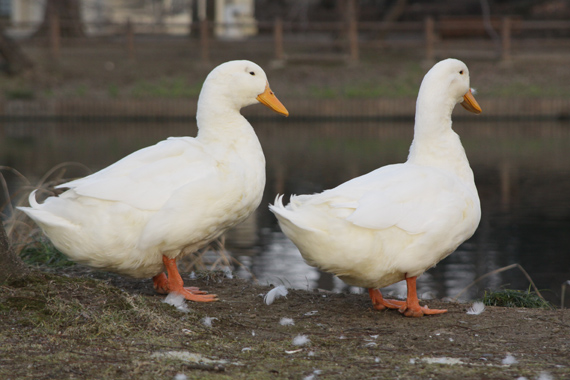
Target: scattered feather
(192, 276)
(300, 340)
(311, 353)
(509, 359)
(273, 294)
(412, 361)
(207, 321)
(312, 312)
(371, 344)
(374, 336)
(228, 272)
(286, 322)
(545, 376)
(178, 301)
(377, 360)
(313, 376)
(476, 309)
(252, 332)
(293, 351)
(443, 360)
(180, 376)
(245, 349)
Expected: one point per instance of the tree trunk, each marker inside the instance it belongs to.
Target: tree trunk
(68, 13)
(11, 266)
(16, 61)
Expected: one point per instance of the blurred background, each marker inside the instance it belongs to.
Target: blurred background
(87, 82)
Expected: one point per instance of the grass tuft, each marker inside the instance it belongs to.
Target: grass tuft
(42, 253)
(515, 298)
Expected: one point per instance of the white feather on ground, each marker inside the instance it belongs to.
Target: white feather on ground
(273, 294)
(509, 359)
(301, 340)
(476, 309)
(228, 272)
(286, 321)
(207, 321)
(180, 376)
(313, 376)
(178, 301)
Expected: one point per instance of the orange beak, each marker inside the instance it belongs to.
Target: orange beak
(470, 104)
(268, 98)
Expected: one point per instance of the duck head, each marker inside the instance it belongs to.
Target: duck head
(449, 79)
(240, 84)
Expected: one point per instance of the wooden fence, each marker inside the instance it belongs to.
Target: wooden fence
(347, 38)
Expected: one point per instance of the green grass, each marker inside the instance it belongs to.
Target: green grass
(515, 298)
(19, 93)
(113, 91)
(169, 88)
(43, 253)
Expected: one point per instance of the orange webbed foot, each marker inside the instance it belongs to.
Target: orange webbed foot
(419, 311)
(379, 303)
(412, 308)
(173, 283)
(160, 283)
(195, 290)
(196, 296)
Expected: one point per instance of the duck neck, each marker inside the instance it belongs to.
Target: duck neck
(435, 143)
(219, 119)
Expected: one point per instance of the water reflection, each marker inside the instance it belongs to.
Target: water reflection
(522, 172)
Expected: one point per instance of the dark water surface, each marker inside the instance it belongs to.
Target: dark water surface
(522, 171)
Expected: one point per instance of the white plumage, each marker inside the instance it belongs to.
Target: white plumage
(273, 294)
(397, 221)
(476, 309)
(141, 213)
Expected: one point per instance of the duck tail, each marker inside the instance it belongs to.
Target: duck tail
(33, 201)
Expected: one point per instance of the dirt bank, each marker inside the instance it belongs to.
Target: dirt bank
(81, 324)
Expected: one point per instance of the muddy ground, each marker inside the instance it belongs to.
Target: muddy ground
(76, 323)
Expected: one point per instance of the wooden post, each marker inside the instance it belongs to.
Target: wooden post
(352, 32)
(278, 38)
(130, 39)
(430, 39)
(506, 39)
(54, 34)
(204, 41)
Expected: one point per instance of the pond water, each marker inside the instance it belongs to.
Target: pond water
(521, 169)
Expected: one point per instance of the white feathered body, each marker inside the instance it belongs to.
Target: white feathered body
(171, 198)
(374, 230)
(396, 221)
(168, 199)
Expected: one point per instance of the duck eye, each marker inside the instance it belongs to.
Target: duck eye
(461, 72)
(251, 73)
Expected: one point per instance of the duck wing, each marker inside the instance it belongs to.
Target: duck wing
(411, 197)
(147, 178)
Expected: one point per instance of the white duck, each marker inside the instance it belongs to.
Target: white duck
(139, 215)
(396, 222)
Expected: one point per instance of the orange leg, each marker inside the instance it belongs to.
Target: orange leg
(412, 308)
(164, 284)
(379, 303)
